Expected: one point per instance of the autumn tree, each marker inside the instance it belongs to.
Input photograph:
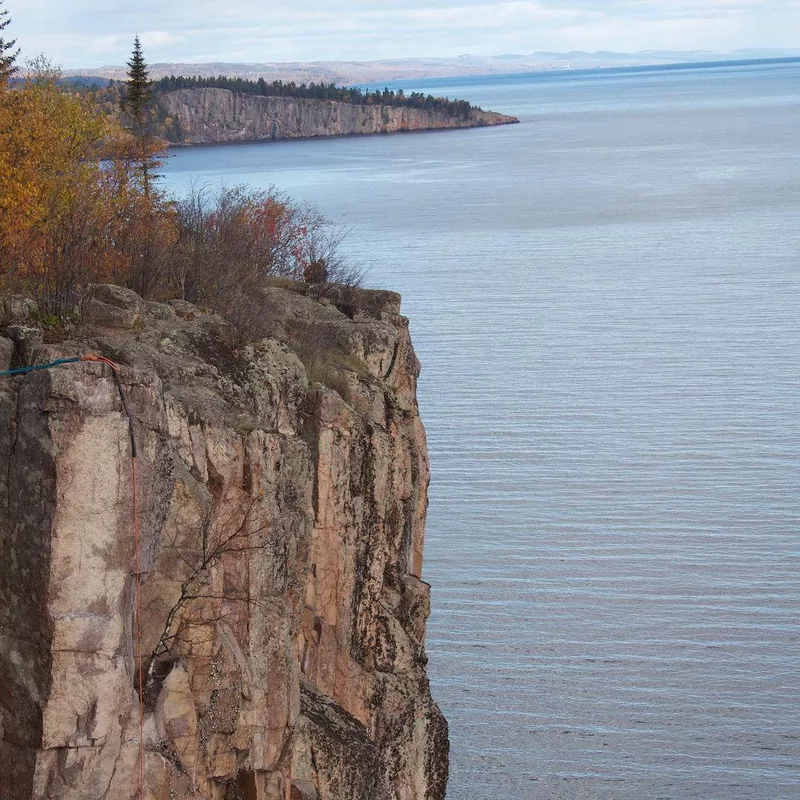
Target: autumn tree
(71, 209)
(56, 205)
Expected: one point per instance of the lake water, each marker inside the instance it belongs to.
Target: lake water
(606, 303)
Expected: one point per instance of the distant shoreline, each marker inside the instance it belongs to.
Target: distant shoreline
(290, 140)
(391, 72)
(636, 68)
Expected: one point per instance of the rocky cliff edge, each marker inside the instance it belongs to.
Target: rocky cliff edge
(281, 502)
(205, 116)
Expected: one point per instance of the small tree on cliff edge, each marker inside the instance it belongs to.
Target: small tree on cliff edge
(135, 103)
(7, 53)
(144, 156)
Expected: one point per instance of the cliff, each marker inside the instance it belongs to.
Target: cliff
(280, 526)
(205, 116)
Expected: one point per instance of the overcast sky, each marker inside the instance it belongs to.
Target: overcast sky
(84, 33)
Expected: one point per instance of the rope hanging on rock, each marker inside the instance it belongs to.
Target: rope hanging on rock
(138, 570)
(58, 362)
(91, 357)
(24, 370)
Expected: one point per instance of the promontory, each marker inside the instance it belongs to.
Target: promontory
(209, 115)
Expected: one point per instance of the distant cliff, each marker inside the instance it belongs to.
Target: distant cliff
(207, 116)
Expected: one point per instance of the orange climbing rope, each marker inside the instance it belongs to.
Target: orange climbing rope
(103, 360)
(138, 559)
(138, 653)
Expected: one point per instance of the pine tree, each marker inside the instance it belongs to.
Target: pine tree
(7, 53)
(138, 88)
(136, 105)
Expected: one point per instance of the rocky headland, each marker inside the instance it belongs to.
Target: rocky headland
(210, 115)
(281, 500)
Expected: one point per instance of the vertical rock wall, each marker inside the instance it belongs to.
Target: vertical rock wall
(281, 528)
(205, 116)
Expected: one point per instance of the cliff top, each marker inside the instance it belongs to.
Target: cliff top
(234, 606)
(341, 338)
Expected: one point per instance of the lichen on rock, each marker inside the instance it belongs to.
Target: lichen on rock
(282, 493)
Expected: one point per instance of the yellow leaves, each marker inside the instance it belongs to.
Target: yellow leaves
(68, 187)
(45, 139)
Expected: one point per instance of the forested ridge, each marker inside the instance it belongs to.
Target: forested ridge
(111, 95)
(318, 91)
(261, 88)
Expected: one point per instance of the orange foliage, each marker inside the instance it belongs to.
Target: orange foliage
(69, 193)
(79, 205)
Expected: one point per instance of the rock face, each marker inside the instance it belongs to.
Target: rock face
(280, 535)
(205, 116)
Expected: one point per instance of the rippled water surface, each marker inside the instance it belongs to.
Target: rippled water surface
(606, 303)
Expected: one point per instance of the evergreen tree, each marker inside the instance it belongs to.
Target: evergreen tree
(138, 91)
(7, 53)
(318, 91)
(135, 103)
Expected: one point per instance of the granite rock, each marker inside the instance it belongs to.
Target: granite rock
(206, 116)
(281, 499)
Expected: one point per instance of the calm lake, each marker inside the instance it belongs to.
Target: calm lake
(606, 303)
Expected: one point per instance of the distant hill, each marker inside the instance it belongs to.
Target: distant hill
(84, 80)
(360, 72)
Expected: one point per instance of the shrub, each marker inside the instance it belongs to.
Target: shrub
(77, 207)
(231, 244)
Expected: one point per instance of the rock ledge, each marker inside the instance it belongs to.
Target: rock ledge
(282, 498)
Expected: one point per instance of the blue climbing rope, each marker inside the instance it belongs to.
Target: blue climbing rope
(34, 367)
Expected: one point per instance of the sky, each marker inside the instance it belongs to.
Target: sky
(92, 33)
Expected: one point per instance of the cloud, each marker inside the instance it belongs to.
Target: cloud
(157, 39)
(91, 32)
